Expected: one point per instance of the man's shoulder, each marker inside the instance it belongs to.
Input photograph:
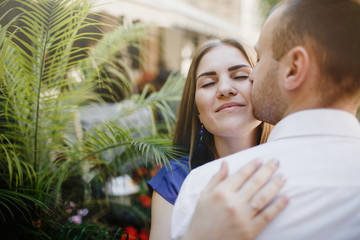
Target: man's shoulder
(202, 175)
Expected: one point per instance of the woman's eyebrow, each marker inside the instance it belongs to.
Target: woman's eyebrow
(238, 66)
(206, 74)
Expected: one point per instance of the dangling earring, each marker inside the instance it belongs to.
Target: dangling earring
(201, 132)
(201, 154)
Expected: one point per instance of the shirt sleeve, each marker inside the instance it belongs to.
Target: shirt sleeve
(167, 181)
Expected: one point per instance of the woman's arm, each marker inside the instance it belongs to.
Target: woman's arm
(160, 218)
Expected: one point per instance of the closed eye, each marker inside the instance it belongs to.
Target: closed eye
(207, 84)
(241, 77)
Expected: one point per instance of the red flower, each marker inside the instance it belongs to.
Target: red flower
(141, 171)
(145, 200)
(144, 234)
(133, 233)
(153, 172)
(136, 180)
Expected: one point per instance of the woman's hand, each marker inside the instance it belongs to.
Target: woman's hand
(238, 206)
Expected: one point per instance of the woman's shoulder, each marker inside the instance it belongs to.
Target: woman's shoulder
(169, 178)
(174, 171)
(180, 164)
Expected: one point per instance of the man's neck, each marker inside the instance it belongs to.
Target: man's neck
(312, 102)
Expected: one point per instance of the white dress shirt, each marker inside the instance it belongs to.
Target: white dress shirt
(319, 153)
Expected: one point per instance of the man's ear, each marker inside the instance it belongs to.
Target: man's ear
(296, 67)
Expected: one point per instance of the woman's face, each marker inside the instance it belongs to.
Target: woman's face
(223, 92)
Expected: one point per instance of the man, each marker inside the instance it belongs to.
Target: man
(307, 82)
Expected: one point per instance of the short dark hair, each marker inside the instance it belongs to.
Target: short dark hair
(331, 29)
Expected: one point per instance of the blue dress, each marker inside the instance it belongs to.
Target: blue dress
(167, 182)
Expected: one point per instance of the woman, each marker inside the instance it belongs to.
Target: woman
(215, 119)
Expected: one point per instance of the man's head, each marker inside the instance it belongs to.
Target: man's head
(308, 53)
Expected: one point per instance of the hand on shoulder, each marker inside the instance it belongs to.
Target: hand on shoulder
(238, 206)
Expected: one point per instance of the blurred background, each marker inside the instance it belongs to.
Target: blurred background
(174, 28)
(178, 26)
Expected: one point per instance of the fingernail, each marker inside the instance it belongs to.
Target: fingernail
(281, 177)
(254, 205)
(285, 199)
(258, 162)
(276, 162)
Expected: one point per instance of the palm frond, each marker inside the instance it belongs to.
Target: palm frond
(106, 55)
(86, 231)
(46, 79)
(150, 106)
(38, 100)
(14, 203)
(36, 70)
(13, 169)
(115, 148)
(158, 149)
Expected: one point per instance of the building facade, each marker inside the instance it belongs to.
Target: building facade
(177, 26)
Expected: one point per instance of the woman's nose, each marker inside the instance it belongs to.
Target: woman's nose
(226, 88)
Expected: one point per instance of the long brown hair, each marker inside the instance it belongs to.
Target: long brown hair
(188, 124)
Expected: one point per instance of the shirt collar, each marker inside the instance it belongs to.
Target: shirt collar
(316, 122)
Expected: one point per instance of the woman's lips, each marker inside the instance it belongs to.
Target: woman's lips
(229, 105)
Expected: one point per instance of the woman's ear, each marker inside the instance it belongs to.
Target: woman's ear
(296, 67)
